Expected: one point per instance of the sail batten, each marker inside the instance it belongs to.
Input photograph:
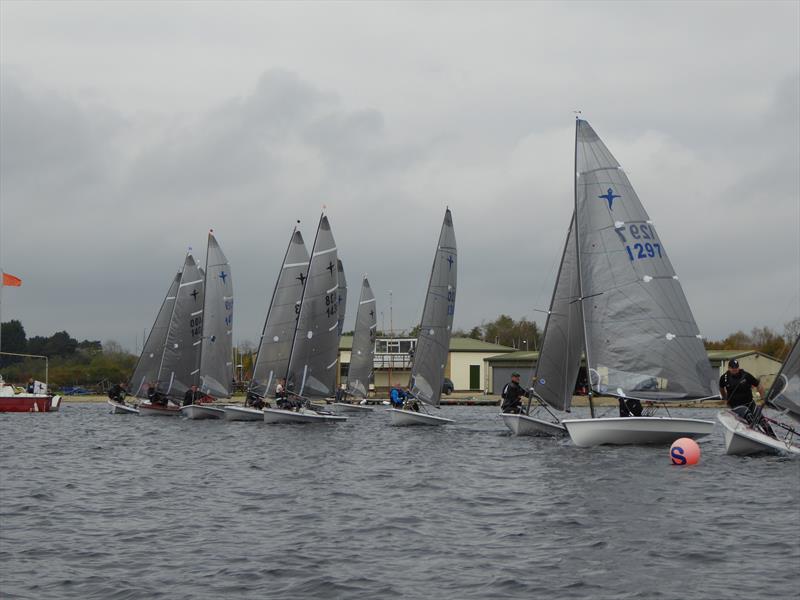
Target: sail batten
(640, 335)
(433, 340)
(360, 373)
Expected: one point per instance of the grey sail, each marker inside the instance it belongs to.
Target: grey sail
(216, 360)
(785, 390)
(276, 338)
(180, 364)
(433, 341)
(362, 354)
(641, 338)
(315, 352)
(342, 295)
(146, 370)
(562, 343)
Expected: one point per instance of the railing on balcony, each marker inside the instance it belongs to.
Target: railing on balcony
(392, 361)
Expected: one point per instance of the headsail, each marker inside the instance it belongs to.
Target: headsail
(180, 364)
(342, 295)
(641, 338)
(216, 362)
(785, 390)
(362, 354)
(562, 343)
(433, 341)
(146, 370)
(315, 351)
(276, 338)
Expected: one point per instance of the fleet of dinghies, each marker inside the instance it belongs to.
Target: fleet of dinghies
(617, 304)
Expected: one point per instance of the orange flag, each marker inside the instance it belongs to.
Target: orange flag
(12, 281)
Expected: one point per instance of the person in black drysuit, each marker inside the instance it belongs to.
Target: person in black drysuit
(512, 394)
(117, 393)
(192, 396)
(254, 400)
(155, 396)
(630, 407)
(736, 387)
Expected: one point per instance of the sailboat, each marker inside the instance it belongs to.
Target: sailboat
(179, 356)
(360, 373)
(560, 354)
(641, 341)
(275, 344)
(216, 364)
(742, 438)
(313, 357)
(433, 340)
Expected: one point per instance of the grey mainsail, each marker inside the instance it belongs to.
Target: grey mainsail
(342, 295)
(562, 342)
(275, 346)
(180, 364)
(433, 341)
(785, 390)
(641, 338)
(362, 354)
(216, 361)
(315, 351)
(147, 366)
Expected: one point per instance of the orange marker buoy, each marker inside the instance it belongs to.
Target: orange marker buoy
(684, 451)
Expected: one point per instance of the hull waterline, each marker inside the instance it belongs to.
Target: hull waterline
(635, 430)
(527, 425)
(200, 411)
(242, 413)
(280, 416)
(406, 418)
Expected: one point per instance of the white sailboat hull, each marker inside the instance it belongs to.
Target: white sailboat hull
(635, 430)
(156, 410)
(198, 411)
(121, 409)
(356, 409)
(741, 439)
(404, 418)
(527, 425)
(243, 413)
(280, 416)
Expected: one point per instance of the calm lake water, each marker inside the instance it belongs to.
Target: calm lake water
(94, 505)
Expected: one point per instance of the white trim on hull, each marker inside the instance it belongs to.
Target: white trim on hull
(634, 430)
(243, 413)
(280, 416)
(356, 409)
(121, 409)
(404, 418)
(527, 425)
(149, 410)
(742, 440)
(198, 411)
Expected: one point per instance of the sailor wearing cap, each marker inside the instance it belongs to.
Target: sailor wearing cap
(736, 386)
(512, 392)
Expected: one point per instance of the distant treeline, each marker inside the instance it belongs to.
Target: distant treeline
(762, 339)
(88, 363)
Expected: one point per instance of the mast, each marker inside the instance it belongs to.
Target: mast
(580, 274)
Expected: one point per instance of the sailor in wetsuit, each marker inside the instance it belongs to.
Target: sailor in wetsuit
(192, 396)
(116, 393)
(736, 387)
(512, 394)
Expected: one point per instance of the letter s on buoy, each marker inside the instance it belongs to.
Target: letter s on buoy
(677, 456)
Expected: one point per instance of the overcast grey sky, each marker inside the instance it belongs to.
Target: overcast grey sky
(129, 129)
